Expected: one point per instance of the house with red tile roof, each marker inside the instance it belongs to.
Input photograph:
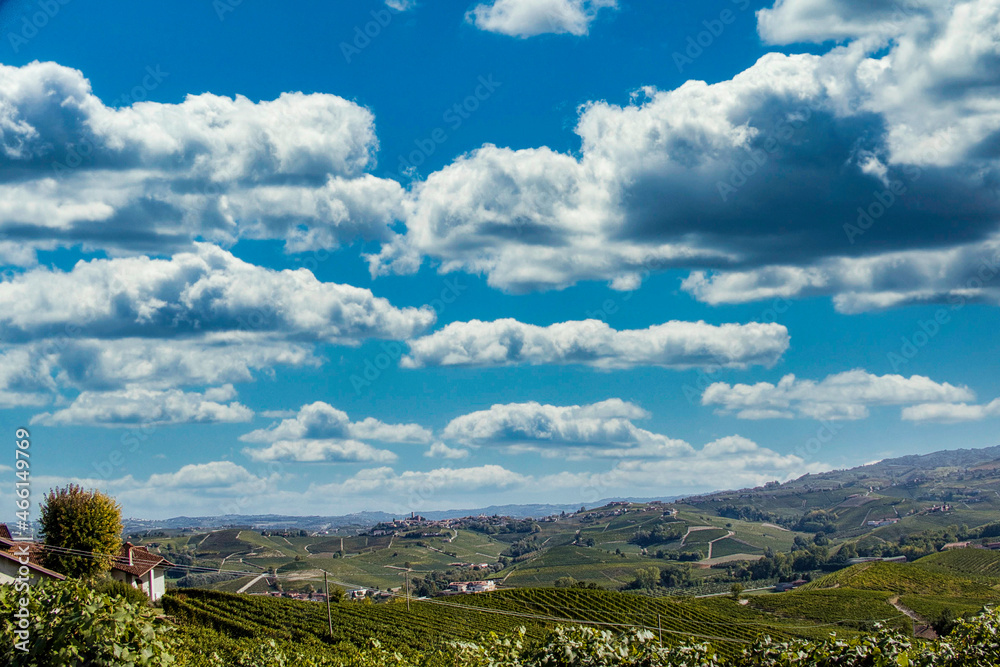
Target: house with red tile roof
(15, 554)
(12, 561)
(138, 567)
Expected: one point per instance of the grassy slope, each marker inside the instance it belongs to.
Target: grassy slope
(903, 578)
(838, 606)
(978, 564)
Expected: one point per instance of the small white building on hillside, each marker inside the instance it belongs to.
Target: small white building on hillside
(472, 586)
(137, 567)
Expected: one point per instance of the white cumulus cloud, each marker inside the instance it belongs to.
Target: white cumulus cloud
(598, 430)
(729, 462)
(439, 450)
(320, 450)
(208, 290)
(951, 412)
(426, 483)
(321, 420)
(790, 21)
(150, 407)
(845, 395)
(153, 176)
(899, 124)
(591, 342)
(320, 432)
(529, 18)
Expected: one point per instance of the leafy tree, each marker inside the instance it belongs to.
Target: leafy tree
(736, 590)
(88, 521)
(522, 547)
(817, 521)
(646, 578)
(662, 532)
(673, 576)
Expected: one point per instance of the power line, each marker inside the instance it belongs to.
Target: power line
(193, 569)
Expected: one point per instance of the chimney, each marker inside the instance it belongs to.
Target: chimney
(129, 547)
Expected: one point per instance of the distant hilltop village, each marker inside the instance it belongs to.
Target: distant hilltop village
(416, 526)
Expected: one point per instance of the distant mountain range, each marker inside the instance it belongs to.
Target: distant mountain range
(362, 520)
(903, 468)
(897, 470)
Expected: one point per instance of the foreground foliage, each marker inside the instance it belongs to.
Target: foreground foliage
(70, 624)
(973, 642)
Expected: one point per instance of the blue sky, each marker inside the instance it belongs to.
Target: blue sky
(512, 251)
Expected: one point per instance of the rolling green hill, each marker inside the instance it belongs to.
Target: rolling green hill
(923, 500)
(978, 564)
(841, 606)
(903, 578)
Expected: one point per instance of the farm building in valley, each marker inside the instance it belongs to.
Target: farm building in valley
(472, 586)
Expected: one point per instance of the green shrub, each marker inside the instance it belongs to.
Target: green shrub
(70, 624)
(120, 589)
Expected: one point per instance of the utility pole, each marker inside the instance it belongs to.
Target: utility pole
(407, 591)
(329, 613)
(659, 628)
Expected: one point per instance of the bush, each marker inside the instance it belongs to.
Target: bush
(70, 624)
(945, 622)
(120, 589)
(204, 580)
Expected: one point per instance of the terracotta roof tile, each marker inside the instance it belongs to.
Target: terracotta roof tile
(142, 560)
(36, 553)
